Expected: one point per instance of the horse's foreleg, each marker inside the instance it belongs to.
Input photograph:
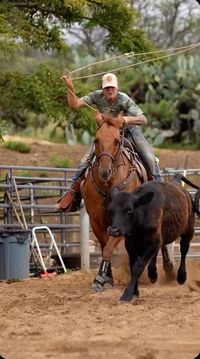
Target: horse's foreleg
(104, 276)
(167, 257)
(110, 247)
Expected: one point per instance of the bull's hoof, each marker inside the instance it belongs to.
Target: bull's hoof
(135, 300)
(154, 280)
(181, 277)
(153, 276)
(168, 266)
(128, 296)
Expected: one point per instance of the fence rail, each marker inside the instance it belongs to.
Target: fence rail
(38, 193)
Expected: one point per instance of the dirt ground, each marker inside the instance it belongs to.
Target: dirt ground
(60, 317)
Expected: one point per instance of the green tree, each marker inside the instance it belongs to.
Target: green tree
(171, 23)
(25, 84)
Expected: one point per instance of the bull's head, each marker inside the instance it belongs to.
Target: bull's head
(123, 214)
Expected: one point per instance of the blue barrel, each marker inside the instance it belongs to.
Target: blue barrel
(14, 255)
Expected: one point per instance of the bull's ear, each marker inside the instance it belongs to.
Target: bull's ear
(114, 191)
(144, 199)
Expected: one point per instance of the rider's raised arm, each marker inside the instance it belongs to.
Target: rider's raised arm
(72, 99)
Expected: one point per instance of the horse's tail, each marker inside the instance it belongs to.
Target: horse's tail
(196, 201)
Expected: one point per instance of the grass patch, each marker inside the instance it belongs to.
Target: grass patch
(17, 146)
(178, 146)
(60, 162)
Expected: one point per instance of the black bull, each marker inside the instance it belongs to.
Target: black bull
(152, 215)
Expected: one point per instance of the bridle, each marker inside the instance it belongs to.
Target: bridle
(106, 193)
(113, 160)
(106, 154)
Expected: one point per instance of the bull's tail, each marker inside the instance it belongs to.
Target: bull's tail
(179, 177)
(196, 201)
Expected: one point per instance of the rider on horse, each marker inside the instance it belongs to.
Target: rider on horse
(109, 100)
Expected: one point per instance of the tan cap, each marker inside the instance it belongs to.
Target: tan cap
(109, 80)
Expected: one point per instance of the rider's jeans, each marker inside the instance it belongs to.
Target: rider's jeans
(145, 151)
(84, 164)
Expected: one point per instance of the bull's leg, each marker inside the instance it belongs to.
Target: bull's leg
(133, 256)
(137, 270)
(167, 258)
(152, 269)
(184, 247)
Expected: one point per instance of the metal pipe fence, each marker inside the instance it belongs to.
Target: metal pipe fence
(39, 191)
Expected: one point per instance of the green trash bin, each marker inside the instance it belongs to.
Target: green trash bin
(14, 254)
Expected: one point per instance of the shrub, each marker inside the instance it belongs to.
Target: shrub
(60, 162)
(17, 146)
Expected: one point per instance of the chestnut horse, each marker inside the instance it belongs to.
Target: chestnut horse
(112, 168)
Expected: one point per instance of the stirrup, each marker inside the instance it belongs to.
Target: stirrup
(71, 200)
(65, 202)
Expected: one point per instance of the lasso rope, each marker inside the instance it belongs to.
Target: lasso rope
(178, 50)
(130, 54)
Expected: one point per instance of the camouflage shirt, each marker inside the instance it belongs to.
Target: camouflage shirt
(122, 103)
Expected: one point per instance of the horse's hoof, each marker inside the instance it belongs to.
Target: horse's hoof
(107, 285)
(96, 287)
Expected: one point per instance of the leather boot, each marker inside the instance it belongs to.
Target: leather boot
(71, 200)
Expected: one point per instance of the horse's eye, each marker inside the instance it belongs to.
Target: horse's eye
(96, 141)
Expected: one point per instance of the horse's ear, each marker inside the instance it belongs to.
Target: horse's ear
(119, 121)
(98, 118)
(114, 191)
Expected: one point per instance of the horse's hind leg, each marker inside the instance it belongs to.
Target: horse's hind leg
(167, 258)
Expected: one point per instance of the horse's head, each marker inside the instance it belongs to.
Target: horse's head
(107, 143)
